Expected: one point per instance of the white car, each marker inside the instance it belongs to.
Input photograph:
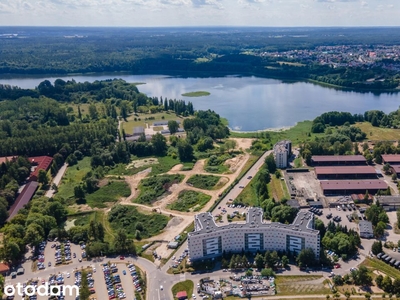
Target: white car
(161, 287)
(68, 275)
(194, 296)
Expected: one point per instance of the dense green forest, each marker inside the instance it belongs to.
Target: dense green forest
(191, 51)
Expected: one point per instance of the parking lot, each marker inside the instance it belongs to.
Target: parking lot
(231, 210)
(340, 213)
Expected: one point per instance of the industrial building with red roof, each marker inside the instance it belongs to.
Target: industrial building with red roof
(23, 198)
(345, 172)
(391, 159)
(181, 295)
(332, 160)
(41, 163)
(343, 187)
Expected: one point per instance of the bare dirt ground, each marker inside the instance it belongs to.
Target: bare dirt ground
(142, 162)
(234, 163)
(242, 143)
(80, 207)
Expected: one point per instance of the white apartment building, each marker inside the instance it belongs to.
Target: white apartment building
(209, 240)
(282, 150)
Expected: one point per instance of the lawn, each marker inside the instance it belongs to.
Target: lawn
(186, 286)
(278, 189)
(204, 182)
(142, 119)
(132, 221)
(189, 200)
(379, 265)
(378, 133)
(111, 192)
(196, 94)
(158, 165)
(154, 187)
(298, 133)
(72, 177)
(248, 195)
(297, 285)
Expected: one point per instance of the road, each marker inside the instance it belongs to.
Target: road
(159, 283)
(57, 180)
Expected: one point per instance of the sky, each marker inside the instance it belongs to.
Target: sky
(155, 13)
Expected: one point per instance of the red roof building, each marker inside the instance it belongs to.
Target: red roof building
(348, 187)
(181, 295)
(391, 158)
(346, 172)
(23, 198)
(4, 269)
(41, 163)
(332, 160)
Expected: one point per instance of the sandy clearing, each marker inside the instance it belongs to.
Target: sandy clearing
(242, 143)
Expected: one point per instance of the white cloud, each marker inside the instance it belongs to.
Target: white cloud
(199, 12)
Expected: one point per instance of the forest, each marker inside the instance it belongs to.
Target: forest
(191, 52)
(73, 122)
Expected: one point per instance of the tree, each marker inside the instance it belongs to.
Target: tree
(42, 177)
(379, 229)
(33, 235)
(337, 280)
(379, 280)
(84, 292)
(173, 126)
(270, 162)
(185, 150)
(230, 144)
(306, 257)
(387, 284)
(285, 261)
(259, 260)
(267, 272)
(159, 143)
(386, 168)
(79, 193)
(376, 247)
(394, 176)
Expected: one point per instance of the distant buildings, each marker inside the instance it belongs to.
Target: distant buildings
(209, 240)
(338, 160)
(138, 131)
(23, 198)
(282, 152)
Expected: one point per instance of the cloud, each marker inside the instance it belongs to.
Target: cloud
(214, 3)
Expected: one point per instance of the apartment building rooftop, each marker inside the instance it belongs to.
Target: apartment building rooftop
(304, 221)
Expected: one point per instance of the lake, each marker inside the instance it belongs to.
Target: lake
(249, 103)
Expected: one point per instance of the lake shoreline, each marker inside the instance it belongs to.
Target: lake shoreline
(208, 74)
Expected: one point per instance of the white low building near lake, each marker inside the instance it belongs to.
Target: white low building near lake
(209, 240)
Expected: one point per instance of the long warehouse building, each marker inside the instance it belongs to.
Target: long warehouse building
(346, 172)
(348, 187)
(209, 240)
(338, 160)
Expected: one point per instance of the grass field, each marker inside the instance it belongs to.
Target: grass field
(204, 182)
(111, 192)
(98, 216)
(73, 176)
(141, 120)
(189, 200)
(131, 220)
(252, 159)
(186, 286)
(377, 133)
(381, 266)
(196, 94)
(152, 188)
(298, 133)
(248, 195)
(278, 189)
(297, 285)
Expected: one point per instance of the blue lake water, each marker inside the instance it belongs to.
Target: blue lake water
(249, 103)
